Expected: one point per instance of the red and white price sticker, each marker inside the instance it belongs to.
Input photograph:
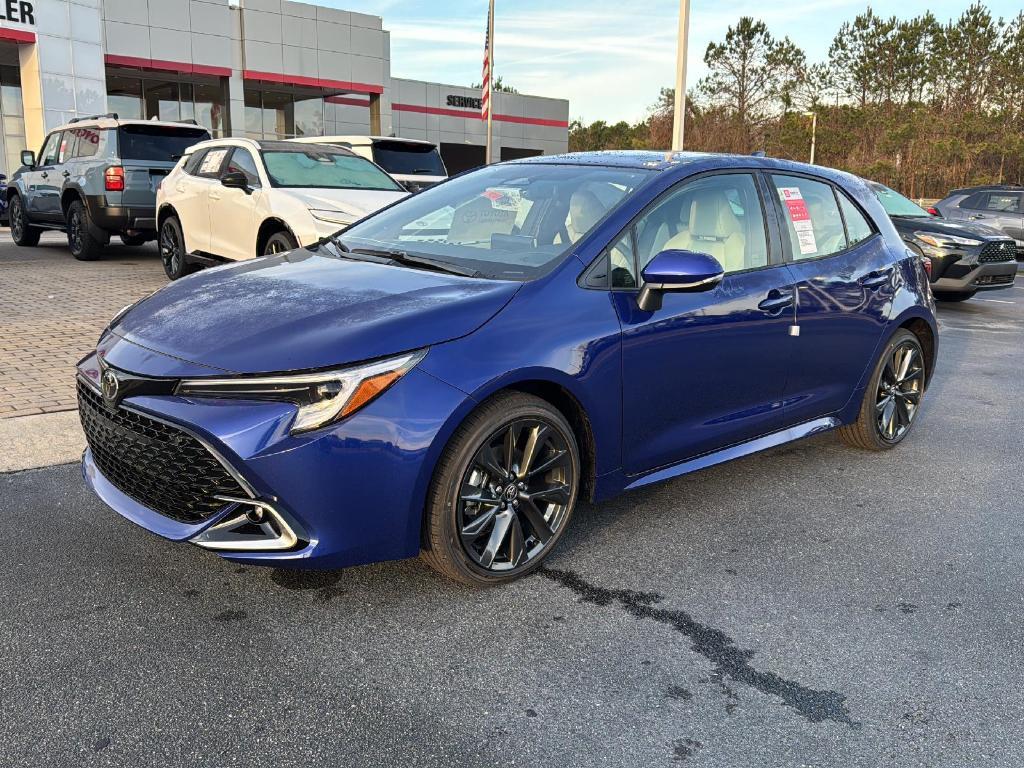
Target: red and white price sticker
(801, 218)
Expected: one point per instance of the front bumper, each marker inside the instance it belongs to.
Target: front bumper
(353, 492)
(979, 277)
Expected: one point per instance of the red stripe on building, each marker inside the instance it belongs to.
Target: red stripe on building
(477, 116)
(160, 65)
(346, 100)
(311, 82)
(17, 35)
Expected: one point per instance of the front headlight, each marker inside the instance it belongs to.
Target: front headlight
(334, 217)
(322, 397)
(944, 241)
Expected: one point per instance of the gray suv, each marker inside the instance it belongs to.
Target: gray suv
(96, 177)
(998, 205)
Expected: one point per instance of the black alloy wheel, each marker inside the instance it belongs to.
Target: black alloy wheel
(22, 232)
(81, 243)
(515, 494)
(279, 242)
(899, 390)
(503, 492)
(172, 249)
(893, 398)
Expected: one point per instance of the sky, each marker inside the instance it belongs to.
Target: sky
(610, 59)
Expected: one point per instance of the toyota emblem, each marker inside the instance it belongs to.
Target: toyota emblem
(109, 385)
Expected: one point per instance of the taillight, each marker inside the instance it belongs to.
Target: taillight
(113, 179)
(933, 210)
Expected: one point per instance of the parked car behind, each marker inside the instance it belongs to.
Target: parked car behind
(96, 177)
(416, 164)
(965, 256)
(378, 395)
(1000, 206)
(233, 199)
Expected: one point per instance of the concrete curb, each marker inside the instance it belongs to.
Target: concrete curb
(29, 442)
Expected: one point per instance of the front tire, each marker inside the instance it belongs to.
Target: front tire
(893, 397)
(23, 233)
(81, 243)
(279, 242)
(503, 493)
(172, 250)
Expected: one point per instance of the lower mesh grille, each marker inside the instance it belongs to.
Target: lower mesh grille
(162, 467)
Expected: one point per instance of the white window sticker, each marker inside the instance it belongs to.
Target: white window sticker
(801, 218)
(212, 162)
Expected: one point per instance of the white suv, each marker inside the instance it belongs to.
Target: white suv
(415, 164)
(240, 198)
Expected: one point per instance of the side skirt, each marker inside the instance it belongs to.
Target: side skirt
(735, 451)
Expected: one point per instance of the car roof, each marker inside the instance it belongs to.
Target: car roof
(113, 121)
(983, 187)
(268, 144)
(367, 140)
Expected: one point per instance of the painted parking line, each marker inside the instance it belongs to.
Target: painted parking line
(998, 301)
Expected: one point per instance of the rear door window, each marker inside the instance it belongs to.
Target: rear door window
(157, 142)
(857, 226)
(1003, 202)
(87, 142)
(812, 219)
(211, 162)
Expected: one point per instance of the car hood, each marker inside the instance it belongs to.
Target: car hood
(355, 202)
(948, 227)
(307, 310)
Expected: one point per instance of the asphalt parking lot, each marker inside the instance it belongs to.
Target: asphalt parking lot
(808, 606)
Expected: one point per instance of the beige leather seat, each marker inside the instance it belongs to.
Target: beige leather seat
(713, 229)
(585, 210)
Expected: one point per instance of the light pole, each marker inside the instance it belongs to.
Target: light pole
(679, 114)
(814, 131)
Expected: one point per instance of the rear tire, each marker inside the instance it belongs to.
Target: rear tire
(951, 297)
(172, 250)
(503, 492)
(81, 243)
(893, 397)
(279, 242)
(23, 233)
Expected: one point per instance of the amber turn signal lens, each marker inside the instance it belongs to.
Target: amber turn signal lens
(369, 389)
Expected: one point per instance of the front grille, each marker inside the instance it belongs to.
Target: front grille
(998, 250)
(162, 467)
(994, 280)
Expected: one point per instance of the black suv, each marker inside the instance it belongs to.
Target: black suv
(965, 257)
(94, 177)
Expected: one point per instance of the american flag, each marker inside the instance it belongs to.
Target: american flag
(485, 97)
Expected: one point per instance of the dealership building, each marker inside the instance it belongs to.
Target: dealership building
(258, 68)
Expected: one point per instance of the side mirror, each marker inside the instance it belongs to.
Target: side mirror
(236, 180)
(28, 158)
(673, 270)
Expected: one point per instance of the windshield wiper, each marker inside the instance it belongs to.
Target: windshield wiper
(409, 260)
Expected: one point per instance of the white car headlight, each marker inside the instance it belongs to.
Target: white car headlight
(944, 241)
(322, 397)
(334, 217)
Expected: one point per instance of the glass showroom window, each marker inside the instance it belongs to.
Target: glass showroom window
(145, 98)
(13, 119)
(280, 115)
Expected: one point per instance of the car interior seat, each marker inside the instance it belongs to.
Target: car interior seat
(713, 229)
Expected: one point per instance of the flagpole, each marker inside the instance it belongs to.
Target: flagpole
(490, 83)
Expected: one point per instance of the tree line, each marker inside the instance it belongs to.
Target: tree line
(921, 106)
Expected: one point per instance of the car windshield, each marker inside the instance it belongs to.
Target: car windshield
(510, 222)
(157, 142)
(313, 168)
(408, 158)
(896, 204)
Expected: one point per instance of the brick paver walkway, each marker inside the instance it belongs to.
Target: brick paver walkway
(52, 310)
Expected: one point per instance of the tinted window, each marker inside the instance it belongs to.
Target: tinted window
(243, 161)
(812, 218)
(720, 215)
(191, 165)
(50, 149)
(324, 170)
(212, 161)
(1002, 202)
(857, 226)
(506, 221)
(157, 142)
(408, 159)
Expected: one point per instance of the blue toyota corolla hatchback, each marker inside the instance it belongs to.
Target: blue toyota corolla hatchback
(453, 374)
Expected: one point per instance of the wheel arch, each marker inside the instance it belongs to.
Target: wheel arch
(166, 211)
(68, 196)
(270, 226)
(926, 337)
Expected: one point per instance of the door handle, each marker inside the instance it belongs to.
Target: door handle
(877, 279)
(67, 174)
(978, 216)
(776, 301)
(215, 195)
(45, 175)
